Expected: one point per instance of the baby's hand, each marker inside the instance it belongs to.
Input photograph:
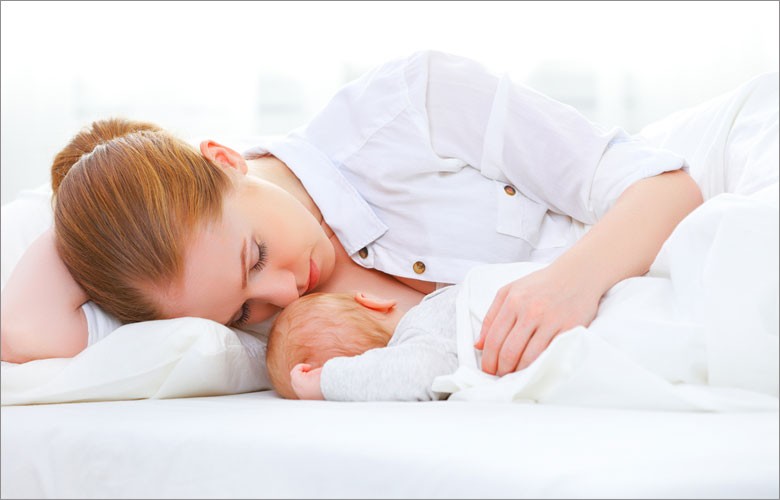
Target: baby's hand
(306, 382)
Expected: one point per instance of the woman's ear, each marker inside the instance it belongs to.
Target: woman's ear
(223, 156)
(375, 303)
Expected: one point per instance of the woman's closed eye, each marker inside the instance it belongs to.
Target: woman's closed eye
(243, 318)
(262, 257)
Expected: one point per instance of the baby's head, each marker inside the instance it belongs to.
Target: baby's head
(321, 326)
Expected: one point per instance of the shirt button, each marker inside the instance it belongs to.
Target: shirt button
(509, 190)
(419, 267)
(363, 252)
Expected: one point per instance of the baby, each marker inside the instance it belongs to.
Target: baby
(344, 347)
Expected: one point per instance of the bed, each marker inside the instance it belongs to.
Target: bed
(256, 445)
(194, 417)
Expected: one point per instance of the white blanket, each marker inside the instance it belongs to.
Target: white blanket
(698, 332)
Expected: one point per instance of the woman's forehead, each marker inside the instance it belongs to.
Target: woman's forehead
(211, 275)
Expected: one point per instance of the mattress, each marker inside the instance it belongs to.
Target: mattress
(257, 445)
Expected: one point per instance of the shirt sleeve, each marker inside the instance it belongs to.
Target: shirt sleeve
(99, 322)
(401, 372)
(547, 149)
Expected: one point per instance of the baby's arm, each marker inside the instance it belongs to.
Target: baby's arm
(402, 371)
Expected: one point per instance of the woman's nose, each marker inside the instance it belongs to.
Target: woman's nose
(278, 288)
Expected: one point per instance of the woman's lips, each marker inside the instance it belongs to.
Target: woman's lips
(314, 275)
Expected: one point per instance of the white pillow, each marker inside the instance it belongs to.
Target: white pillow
(171, 358)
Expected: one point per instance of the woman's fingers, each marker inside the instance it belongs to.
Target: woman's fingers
(523, 344)
(494, 340)
(514, 346)
(527, 314)
(490, 316)
(516, 337)
(536, 345)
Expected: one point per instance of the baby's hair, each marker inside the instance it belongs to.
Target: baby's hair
(316, 328)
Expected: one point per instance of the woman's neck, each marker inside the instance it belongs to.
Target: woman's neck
(272, 169)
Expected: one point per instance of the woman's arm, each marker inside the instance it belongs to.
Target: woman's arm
(528, 313)
(41, 313)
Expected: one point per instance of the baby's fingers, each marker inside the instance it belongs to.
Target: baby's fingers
(300, 368)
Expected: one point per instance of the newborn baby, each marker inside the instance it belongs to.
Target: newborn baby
(352, 347)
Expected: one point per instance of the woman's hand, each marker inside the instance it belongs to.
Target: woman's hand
(305, 381)
(528, 313)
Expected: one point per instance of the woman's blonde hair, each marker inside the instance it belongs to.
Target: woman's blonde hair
(127, 198)
(316, 328)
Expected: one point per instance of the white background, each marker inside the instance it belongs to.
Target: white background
(233, 70)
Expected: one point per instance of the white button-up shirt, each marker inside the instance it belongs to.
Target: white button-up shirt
(434, 160)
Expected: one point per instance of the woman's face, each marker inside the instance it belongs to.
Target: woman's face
(266, 251)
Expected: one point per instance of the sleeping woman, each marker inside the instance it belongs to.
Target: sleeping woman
(412, 174)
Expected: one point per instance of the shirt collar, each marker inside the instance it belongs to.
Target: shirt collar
(345, 211)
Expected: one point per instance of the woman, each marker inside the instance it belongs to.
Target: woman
(410, 176)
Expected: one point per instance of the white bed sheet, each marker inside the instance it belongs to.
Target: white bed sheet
(259, 446)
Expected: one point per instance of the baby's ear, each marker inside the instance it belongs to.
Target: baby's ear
(374, 303)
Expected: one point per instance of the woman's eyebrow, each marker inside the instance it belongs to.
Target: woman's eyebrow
(244, 269)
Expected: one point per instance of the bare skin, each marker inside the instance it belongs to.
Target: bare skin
(39, 278)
